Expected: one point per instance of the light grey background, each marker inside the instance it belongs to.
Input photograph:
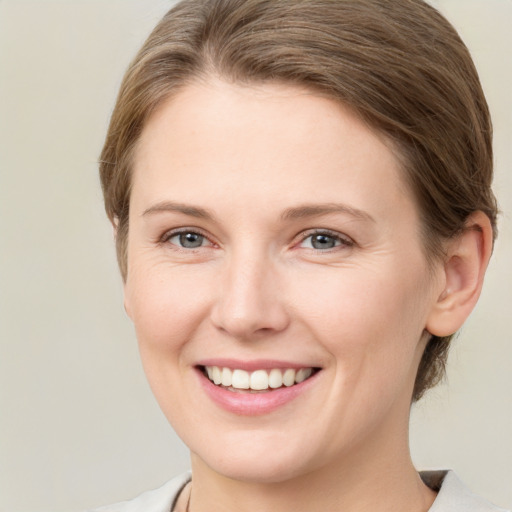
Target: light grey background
(78, 424)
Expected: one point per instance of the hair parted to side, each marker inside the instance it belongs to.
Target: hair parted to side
(397, 63)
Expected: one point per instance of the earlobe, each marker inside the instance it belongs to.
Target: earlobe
(464, 270)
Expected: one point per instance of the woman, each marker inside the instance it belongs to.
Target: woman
(303, 214)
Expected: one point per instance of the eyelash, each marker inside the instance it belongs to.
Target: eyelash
(168, 235)
(341, 241)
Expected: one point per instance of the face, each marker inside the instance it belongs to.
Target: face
(274, 250)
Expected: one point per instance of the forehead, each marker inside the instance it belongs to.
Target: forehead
(271, 137)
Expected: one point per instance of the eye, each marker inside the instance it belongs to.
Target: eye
(324, 241)
(187, 239)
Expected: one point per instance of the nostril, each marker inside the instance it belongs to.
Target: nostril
(249, 322)
(248, 303)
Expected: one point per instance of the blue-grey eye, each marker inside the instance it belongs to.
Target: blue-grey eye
(191, 240)
(188, 240)
(323, 241)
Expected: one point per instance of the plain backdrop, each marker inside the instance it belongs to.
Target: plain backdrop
(78, 424)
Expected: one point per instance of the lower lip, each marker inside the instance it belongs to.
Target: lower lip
(253, 404)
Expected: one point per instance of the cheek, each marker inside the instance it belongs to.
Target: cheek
(166, 306)
(369, 322)
(168, 309)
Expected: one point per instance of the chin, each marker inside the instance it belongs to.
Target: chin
(260, 462)
(257, 471)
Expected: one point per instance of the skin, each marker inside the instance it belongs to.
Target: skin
(262, 163)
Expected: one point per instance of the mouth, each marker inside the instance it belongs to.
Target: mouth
(258, 381)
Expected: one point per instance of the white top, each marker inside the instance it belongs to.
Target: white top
(453, 496)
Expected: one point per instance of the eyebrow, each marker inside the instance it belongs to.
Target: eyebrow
(313, 210)
(296, 212)
(171, 206)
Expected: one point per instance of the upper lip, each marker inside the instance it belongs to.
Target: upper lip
(255, 364)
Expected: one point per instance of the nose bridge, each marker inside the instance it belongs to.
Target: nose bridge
(249, 301)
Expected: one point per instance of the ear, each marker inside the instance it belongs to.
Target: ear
(127, 303)
(464, 269)
(115, 223)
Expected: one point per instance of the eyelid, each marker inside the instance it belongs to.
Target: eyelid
(167, 235)
(345, 240)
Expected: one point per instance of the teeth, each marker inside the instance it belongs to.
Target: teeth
(289, 377)
(275, 378)
(303, 374)
(227, 377)
(258, 380)
(240, 379)
(217, 377)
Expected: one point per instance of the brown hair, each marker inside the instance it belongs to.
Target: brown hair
(397, 63)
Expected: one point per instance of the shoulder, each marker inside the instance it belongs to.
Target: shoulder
(453, 495)
(157, 500)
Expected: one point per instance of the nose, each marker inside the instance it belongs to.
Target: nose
(250, 302)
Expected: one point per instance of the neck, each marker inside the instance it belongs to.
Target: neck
(375, 479)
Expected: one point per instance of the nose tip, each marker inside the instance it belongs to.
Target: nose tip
(244, 328)
(250, 304)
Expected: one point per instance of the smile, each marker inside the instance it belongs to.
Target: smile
(253, 388)
(258, 380)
